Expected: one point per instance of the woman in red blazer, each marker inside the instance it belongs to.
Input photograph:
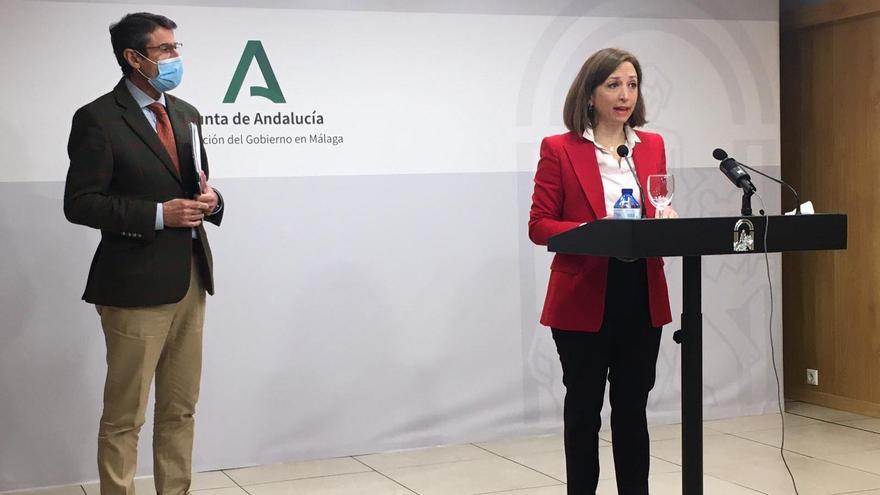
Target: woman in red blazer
(606, 314)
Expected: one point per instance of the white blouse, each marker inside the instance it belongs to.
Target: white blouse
(615, 174)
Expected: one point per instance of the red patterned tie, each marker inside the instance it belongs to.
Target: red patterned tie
(166, 135)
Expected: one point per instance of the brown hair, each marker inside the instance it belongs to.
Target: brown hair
(577, 113)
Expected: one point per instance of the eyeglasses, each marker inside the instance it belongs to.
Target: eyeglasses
(167, 47)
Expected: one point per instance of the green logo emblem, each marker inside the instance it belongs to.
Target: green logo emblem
(272, 91)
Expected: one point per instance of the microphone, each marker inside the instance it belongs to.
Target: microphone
(734, 169)
(623, 152)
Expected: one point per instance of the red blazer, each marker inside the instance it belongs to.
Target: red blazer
(568, 192)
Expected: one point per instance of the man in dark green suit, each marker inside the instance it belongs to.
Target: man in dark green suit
(133, 176)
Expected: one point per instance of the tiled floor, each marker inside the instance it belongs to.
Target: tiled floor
(829, 452)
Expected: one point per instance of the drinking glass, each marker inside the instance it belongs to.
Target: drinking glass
(661, 188)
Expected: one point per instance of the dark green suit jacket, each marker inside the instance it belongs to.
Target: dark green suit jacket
(118, 171)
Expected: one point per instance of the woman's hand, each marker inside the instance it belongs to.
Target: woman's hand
(668, 212)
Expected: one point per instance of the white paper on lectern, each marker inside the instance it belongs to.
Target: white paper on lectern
(806, 209)
(196, 152)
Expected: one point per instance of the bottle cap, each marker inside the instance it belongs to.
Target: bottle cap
(627, 191)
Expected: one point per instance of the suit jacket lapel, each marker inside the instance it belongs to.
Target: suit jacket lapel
(134, 117)
(582, 155)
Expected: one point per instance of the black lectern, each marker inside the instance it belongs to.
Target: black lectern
(691, 238)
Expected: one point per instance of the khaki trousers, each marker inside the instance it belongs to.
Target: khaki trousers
(165, 341)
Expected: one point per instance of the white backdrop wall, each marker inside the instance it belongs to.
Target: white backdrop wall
(380, 293)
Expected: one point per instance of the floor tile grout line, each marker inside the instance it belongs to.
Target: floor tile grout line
(858, 429)
(440, 463)
(857, 492)
(523, 465)
(303, 478)
(848, 467)
(607, 446)
(398, 483)
(837, 423)
(820, 459)
(519, 489)
(496, 454)
(777, 448)
(380, 473)
(665, 460)
(738, 435)
(364, 463)
(492, 455)
(787, 449)
(732, 482)
(233, 480)
(716, 476)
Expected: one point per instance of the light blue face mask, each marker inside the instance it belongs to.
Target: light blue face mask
(169, 76)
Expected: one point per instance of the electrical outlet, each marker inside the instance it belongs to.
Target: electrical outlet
(812, 377)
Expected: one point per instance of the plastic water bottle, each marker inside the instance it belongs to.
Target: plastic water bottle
(627, 206)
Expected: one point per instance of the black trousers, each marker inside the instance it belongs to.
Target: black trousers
(623, 353)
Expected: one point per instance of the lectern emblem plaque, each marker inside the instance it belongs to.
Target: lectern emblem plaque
(743, 236)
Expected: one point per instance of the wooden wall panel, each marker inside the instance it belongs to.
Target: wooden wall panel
(827, 12)
(831, 153)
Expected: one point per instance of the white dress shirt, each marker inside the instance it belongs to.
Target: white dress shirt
(615, 174)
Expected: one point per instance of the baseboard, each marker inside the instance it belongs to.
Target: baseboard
(833, 401)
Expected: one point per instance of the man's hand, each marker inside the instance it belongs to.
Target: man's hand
(208, 196)
(184, 212)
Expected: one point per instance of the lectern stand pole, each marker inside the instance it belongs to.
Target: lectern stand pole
(692, 378)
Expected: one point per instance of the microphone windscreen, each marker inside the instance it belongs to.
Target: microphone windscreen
(719, 154)
(622, 151)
